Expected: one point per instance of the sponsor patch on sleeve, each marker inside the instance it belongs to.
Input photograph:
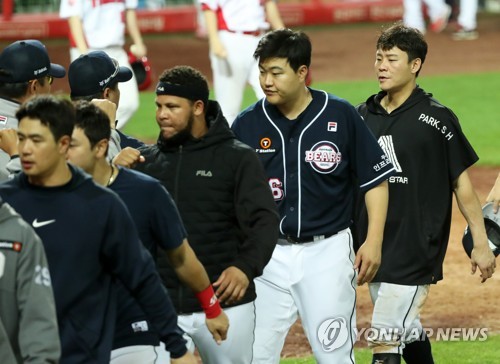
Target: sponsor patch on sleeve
(11, 245)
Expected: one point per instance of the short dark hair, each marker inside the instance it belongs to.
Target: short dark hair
(17, 90)
(57, 113)
(295, 46)
(186, 76)
(93, 121)
(409, 40)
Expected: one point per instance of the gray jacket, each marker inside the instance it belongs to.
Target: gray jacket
(28, 324)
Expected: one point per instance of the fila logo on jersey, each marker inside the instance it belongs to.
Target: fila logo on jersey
(324, 157)
(204, 173)
(332, 126)
(3, 120)
(265, 146)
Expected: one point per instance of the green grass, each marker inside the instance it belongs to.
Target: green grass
(450, 352)
(473, 97)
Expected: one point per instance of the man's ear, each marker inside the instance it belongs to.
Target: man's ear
(102, 148)
(302, 72)
(416, 64)
(64, 143)
(199, 107)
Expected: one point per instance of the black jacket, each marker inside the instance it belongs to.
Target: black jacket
(224, 199)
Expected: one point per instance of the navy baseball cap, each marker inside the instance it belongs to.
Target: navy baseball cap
(91, 73)
(27, 60)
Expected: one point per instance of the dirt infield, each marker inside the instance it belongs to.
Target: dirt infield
(347, 53)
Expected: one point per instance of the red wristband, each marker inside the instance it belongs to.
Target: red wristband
(209, 302)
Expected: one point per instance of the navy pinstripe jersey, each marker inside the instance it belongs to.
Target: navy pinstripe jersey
(314, 163)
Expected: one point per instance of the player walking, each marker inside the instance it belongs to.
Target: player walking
(424, 141)
(316, 151)
(234, 29)
(100, 25)
(160, 230)
(220, 189)
(89, 238)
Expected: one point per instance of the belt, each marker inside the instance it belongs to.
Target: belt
(303, 239)
(255, 33)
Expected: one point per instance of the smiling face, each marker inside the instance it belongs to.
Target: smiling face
(40, 154)
(280, 83)
(394, 71)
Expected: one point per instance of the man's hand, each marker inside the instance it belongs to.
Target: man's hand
(367, 262)
(484, 259)
(218, 327)
(187, 358)
(109, 109)
(231, 285)
(138, 49)
(8, 141)
(128, 157)
(218, 49)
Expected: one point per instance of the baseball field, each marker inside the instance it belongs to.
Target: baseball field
(464, 76)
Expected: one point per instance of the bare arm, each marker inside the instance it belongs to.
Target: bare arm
(494, 195)
(481, 257)
(192, 273)
(369, 254)
(76, 29)
(273, 15)
(216, 46)
(138, 48)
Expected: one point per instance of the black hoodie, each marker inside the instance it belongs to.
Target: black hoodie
(224, 200)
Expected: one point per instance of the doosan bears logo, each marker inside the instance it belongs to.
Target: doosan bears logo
(324, 157)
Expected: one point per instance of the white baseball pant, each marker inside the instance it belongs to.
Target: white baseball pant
(236, 349)
(414, 16)
(231, 74)
(144, 354)
(129, 93)
(396, 310)
(467, 17)
(316, 281)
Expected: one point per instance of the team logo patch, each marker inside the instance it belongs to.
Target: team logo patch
(265, 143)
(265, 146)
(332, 126)
(324, 157)
(3, 120)
(11, 245)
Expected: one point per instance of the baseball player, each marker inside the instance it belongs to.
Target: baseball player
(424, 141)
(159, 226)
(227, 207)
(234, 29)
(89, 238)
(316, 151)
(100, 25)
(25, 70)
(28, 322)
(438, 11)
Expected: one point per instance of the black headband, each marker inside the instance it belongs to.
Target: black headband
(185, 91)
